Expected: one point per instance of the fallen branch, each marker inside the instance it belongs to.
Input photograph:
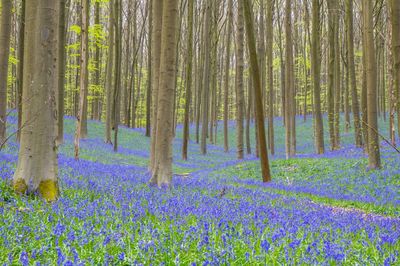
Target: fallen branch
(383, 137)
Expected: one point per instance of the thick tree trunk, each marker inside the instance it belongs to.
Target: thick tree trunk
(157, 10)
(37, 167)
(5, 33)
(162, 173)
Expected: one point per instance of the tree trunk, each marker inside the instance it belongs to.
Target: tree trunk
(206, 78)
(61, 73)
(37, 167)
(239, 80)
(157, 10)
(352, 72)
(81, 125)
(316, 74)
(5, 33)
(20, 71)
(109, 73)
(257, 90)
(289, 90)
(226, 74)
(374, 160)
(270, 75)
(395, 19)
(188, 81)
(162, 173)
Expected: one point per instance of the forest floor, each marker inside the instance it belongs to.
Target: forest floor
(327, 209)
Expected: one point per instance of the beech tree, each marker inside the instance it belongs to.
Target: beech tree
(162, 172)
(37, 167)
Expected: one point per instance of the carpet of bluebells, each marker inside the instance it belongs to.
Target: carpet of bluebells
(318, 210)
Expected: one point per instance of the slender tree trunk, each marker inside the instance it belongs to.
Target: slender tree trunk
(316, 74)
(96, 100)
(149, 70)
(374, 160)
(226, 75)
(289, 90)
(239, 80)
(83, 82)
(37, 167)
(188, 80)
(352, 72)
(109, 73)
(5, 34)
(117, 82)
(20, 71)
(61, 73)
(257, 91)
(206, 78)
(270, 75)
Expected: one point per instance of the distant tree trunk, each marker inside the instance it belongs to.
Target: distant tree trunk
(117, 82)
(84, 72)
(61, 73)
(96, 100)
(162, 173)
(157, 10)
(352, 72)
(149, 70)
(391, 90)
(20, 71)
(257, 91)
(337, 87)
(5, 33)
(395, 19)
(188, 81)
(226, 74)
(374, 160)
(289, 90)
(109, 73)
(248, 113)
(83, 82)
(37, 167)
(206, 78)
(270, 75)
(316, 74)
(239, 80)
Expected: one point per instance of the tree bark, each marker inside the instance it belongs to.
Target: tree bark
(5, 34)
(188, 80)
(352, 72)
(257, 91)
(374, 160)
(316, 75)
(81, 124)
(109, 74)
(239, 80)
(162, 173)
(37, 166)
